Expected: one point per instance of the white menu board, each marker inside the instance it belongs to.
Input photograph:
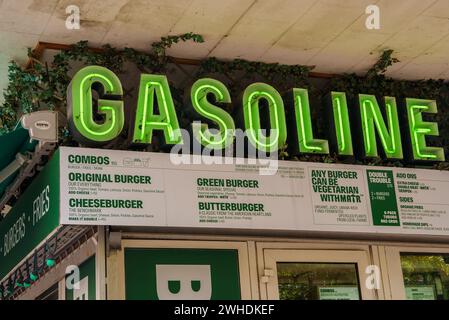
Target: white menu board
(129, 188)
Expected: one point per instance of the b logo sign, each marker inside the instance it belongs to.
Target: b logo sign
(190, 282)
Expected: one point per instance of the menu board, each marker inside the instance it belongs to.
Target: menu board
(338, 293)
(420, 293)
(129, 188)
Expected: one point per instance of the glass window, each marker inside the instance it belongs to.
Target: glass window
(426, 276)
(318, 281)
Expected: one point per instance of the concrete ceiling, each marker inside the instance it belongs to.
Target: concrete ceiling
(330, 34)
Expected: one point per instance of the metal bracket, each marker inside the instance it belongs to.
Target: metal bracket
(27, 171)
(115, 240)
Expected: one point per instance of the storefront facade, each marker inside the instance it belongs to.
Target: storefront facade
(183, 248)
(101, 222)
(250, 267)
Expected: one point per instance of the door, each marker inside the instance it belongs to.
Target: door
(418, 273)
(315, 274)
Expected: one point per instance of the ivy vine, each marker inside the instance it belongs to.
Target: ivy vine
(43, 85)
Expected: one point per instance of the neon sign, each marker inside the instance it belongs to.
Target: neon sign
(81, 109)
(372, 119)
(379, 124)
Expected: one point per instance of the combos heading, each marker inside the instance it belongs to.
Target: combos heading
(371, 128)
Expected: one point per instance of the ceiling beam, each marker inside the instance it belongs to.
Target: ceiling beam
(42, 46)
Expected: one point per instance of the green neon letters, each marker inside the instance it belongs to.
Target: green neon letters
(81, 114)
(419, 129)
(307, 143)
(342, 124)
(278, 127)
(372, 120)
(152, 88)
(226, 127)
(156, 112)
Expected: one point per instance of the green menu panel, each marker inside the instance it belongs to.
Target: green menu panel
(181, 274)
(32, 218)
(384, 206)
